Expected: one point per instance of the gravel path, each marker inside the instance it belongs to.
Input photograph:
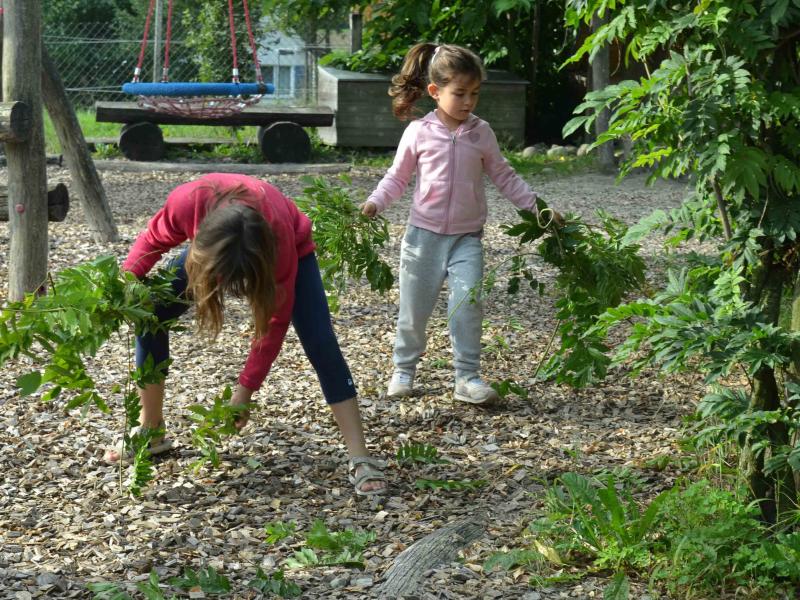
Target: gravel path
(63, 521)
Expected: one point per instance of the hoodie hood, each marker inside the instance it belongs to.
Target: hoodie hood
(471, 121)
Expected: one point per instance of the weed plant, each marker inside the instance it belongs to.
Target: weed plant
(692, 541)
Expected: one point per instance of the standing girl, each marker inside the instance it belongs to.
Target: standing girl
(450, 149)
(248, 240)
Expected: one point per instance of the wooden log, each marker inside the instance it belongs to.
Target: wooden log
(15, 121)
(27, 174)
(130, 112)
(245, 169)
(142, 141)
(442, 546)
(57, 203)
(85, 179)
(94, 141)
(284, 142)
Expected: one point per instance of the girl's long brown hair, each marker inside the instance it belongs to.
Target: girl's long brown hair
(234, 251)
(422, 65)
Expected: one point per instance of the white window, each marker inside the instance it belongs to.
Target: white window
(282, 77)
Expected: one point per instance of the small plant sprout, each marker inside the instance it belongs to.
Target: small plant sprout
(412, 452)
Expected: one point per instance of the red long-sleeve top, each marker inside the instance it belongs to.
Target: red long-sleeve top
(178, 221)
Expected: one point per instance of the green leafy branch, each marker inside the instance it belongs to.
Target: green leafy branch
(83, 308)
(213, 423)
(597, 267)
(344, 548)
(347, 241)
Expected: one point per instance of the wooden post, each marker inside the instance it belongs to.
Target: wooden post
(356, 28)
(27, 173)
(85, 180)
(600, 80)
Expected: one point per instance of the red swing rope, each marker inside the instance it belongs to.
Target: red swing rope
(235, 71)
(259, 74)
(138, 70)
(168, 42)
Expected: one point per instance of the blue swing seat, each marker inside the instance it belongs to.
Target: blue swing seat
(177, 89)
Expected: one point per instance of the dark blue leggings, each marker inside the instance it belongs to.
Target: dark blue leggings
(310, 317)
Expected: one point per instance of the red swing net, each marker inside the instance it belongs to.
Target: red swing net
(200, 105)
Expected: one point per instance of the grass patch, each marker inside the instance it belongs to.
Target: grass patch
(246, 149)
(541, 165)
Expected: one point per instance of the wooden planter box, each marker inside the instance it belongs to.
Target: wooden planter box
(363, 108)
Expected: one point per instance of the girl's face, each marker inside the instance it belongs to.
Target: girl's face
(456, 100)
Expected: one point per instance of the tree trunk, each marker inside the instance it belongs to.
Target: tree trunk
(795, 326)
(27, 172)
(600, 80)
(533, 72)
(776, 493)
(85, 180)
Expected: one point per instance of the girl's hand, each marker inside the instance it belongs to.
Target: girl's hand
(369, 209)
(241, 397)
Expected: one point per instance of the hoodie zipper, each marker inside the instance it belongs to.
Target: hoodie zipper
(452, 177)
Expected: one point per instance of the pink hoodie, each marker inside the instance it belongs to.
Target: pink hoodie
(178, 220)
(449, 196)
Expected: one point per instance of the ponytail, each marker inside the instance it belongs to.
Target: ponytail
(410, 83)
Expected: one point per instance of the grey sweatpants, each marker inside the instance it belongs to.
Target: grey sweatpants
(426, 259)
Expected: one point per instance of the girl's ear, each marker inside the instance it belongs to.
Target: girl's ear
(433, 91)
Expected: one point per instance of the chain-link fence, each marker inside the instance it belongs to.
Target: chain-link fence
(95, 59)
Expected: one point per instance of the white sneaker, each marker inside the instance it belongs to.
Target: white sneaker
(401, 385)
(474, 390)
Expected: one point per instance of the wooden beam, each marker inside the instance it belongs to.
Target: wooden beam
(245, 169)
(130, 112)
(27, 173)
(85, 179)
(57, 203)
(15, 121)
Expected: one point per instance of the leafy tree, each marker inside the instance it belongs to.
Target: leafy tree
(719, 105)
(68, 24)
(523, 36)
(60, 15)
(208, 40)
(307, 18)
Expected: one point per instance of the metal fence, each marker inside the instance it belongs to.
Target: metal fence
(95, 59)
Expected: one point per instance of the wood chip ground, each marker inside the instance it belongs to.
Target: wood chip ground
(63, 521)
